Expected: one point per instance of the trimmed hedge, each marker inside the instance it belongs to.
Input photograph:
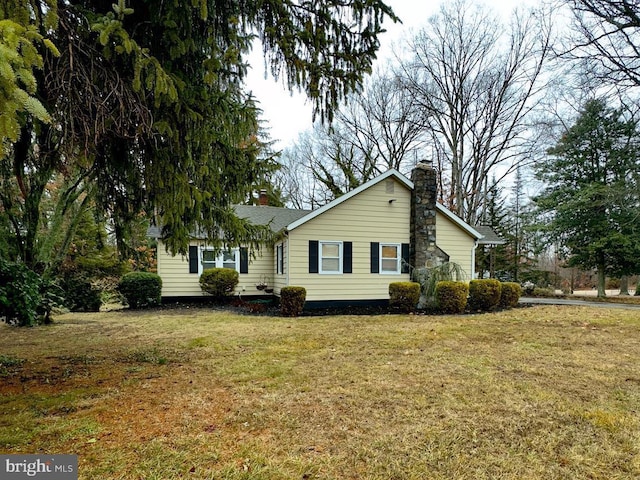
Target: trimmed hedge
(292, 301)
(404, 296)
(510, 294)
(484, 294)
(141, 289)
(451, 297)
(219, 282)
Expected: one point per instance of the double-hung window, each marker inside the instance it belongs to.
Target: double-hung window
(330, 257)
(224, 259)
(390, 258)
(230, 259)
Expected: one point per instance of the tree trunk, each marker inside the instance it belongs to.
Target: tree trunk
(601, 277)
(624, 285)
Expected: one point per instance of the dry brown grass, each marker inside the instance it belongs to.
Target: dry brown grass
(544, 392)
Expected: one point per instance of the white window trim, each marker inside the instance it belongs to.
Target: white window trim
(340, 257)
(219, 259)
(280, 259)
(398, 258)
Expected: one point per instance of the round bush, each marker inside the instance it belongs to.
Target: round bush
(80, 295)
(404, 296)
(292, 301)
(219, 282)
(141, 289)
(510, 294)
(451, 297)
(484, 295)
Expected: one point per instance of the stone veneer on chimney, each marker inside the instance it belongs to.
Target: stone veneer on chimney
(423, 250)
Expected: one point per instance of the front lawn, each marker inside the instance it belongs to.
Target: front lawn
(542, 392)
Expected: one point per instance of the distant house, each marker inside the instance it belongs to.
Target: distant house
(347, 251)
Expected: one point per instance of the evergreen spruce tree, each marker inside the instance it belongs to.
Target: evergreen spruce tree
(147, 100)
(592, 198)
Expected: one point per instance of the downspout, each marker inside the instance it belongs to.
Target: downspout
(473, 259)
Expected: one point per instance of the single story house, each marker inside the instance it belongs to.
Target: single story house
(347, 251)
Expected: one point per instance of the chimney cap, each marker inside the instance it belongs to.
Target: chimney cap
(263, 198)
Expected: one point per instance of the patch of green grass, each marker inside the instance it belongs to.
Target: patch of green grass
(199, 342)
(24, 417)
(148, 355)
(8, 363)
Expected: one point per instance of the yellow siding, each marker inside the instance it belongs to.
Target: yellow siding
(178, 282)
(260, 269)
(174, 271)
(456, 243)
(364, 218)
(367, 217)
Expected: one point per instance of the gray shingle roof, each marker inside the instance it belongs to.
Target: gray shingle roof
(489, 237)
(276, 217)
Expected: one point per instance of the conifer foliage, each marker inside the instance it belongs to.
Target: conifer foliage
(592, 201)
(146, 101)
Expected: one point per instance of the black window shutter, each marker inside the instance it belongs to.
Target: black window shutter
(347, 257)
(404, 268)
(193, 259)
(244, 260)
(313, 256)
(375, 257)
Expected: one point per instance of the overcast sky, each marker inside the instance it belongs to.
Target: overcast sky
(288, 115)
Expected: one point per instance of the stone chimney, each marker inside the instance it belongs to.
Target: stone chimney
(424, 251)
(263, 198)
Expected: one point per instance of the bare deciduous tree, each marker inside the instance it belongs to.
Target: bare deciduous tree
(384, 122)
(375, 131)
(607, 39)
(478, 85)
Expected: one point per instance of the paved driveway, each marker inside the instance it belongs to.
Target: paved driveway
(584, 303)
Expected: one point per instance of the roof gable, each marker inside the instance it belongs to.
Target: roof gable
(388, 174)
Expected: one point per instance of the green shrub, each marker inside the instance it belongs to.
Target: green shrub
(484, 295)
(428, 278)
(404, 296)
(219, 282)
(141, 289)
(292, 301)
(451, 297)
(543, 292)
(510, 294)
(638, 287)
(80, 295)
(26, 298)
